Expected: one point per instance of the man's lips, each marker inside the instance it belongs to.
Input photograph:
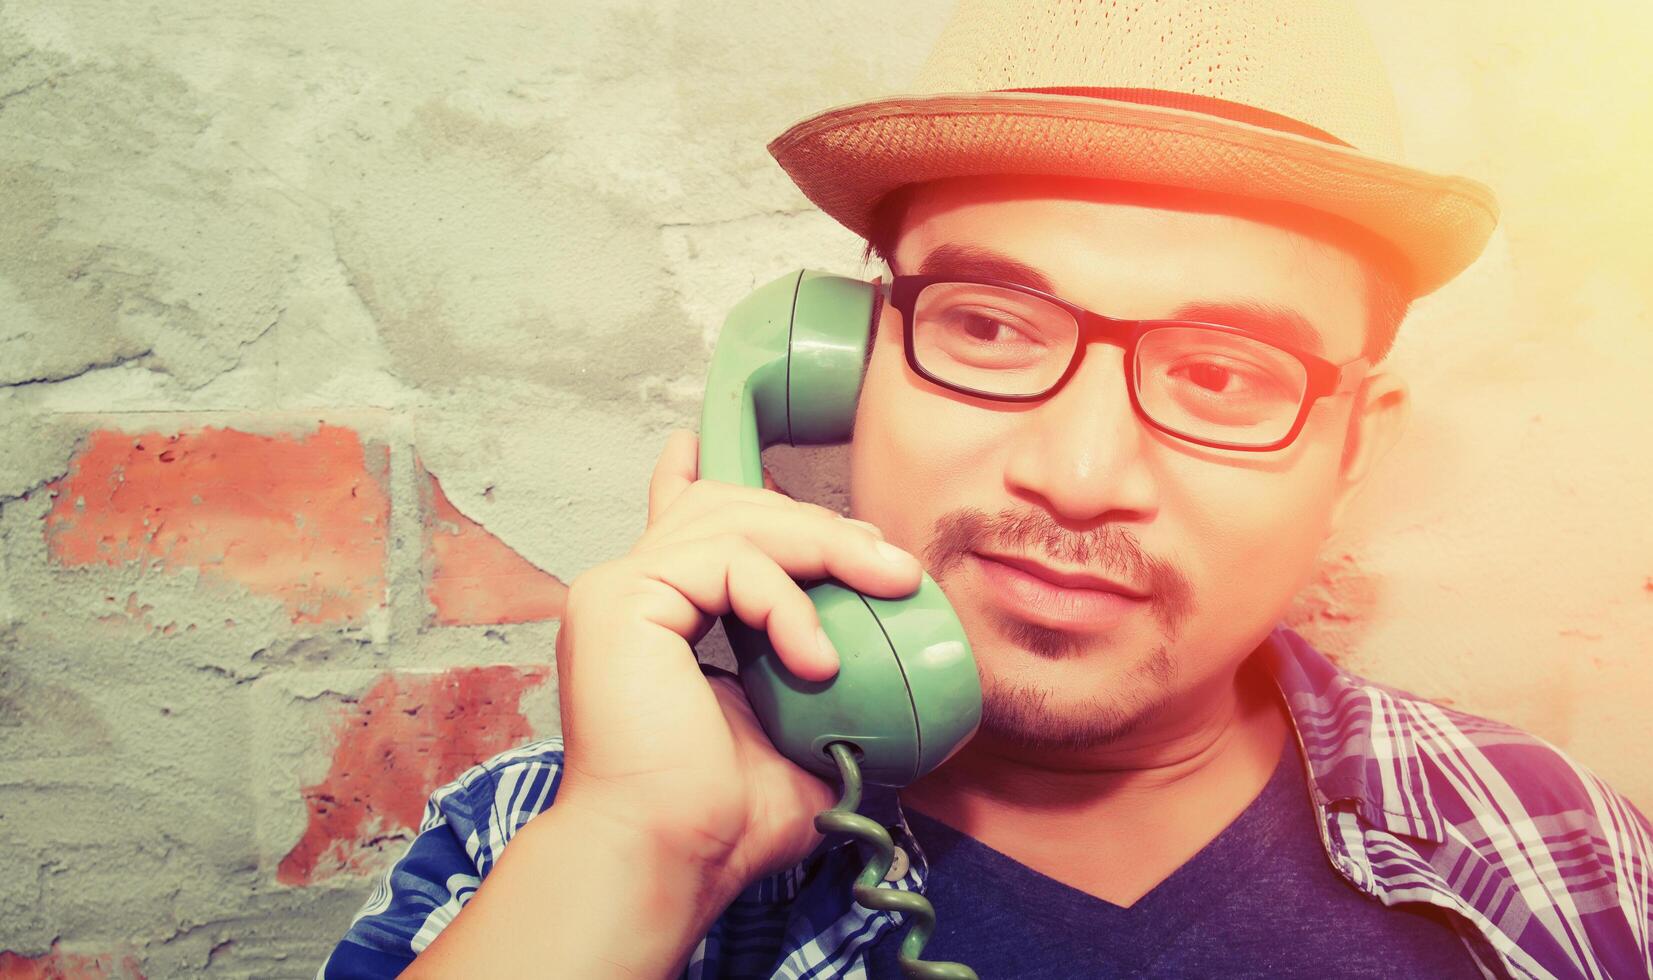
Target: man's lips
(1057, 599)
(1064, 578)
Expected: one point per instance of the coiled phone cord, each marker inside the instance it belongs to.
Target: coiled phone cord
(842, 819)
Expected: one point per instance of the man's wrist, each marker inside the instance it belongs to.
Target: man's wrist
(575, 894)
(670, 848)
(690, 867)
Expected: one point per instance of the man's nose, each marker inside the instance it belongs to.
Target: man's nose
(1082, 449)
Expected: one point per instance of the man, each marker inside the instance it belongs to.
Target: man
(1126, 381)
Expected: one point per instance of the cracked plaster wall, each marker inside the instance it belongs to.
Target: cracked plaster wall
(493, 243)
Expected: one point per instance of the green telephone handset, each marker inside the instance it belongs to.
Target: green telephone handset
(788, 368)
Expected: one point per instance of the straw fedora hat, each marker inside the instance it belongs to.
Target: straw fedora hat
(1270, 100)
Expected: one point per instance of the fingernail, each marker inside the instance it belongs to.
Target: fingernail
(827, 649)
(892, 554)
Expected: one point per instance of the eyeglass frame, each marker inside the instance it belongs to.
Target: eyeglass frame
(1323, 378)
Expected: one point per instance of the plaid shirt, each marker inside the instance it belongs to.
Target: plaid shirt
(1548, 872)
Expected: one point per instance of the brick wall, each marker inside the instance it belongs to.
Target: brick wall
(213, 698)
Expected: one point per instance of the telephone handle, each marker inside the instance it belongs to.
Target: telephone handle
(788, 368)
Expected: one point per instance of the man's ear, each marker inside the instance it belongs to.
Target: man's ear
(1377, 417)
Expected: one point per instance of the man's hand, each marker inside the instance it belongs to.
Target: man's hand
(672, 799)
(652, 742)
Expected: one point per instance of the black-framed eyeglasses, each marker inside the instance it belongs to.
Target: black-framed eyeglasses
(1213, 385)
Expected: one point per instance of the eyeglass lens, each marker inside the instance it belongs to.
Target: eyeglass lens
(1204, 383)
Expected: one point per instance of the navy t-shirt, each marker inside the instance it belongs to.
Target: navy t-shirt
(1261, 900)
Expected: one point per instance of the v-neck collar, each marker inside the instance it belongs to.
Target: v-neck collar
(1181, 900)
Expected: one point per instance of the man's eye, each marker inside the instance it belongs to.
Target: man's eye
(1211, 377)
(986, 328)
(1227, 378)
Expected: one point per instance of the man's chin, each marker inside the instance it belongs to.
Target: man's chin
(1042, 713)
(1013, 719)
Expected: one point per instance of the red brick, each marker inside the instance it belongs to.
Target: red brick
(58, 965)
(299, 518)
(405, 737)
(474, 578)
(1335, 609)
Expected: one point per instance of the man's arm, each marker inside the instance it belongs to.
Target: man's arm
(578, 896)
(696, 803)
(500, 881)
(561, 893)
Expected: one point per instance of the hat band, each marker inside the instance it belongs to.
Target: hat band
(1203, 104)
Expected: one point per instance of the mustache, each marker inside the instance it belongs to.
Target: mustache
(1110, 549)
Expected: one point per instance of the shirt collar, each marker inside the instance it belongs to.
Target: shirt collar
(1357, 738)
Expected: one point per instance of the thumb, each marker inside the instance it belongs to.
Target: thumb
(677, 467)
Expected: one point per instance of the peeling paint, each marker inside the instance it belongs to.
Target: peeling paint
(300, 518)
(1334, 610)
(404, 737)
(474, 578)
(59, 965)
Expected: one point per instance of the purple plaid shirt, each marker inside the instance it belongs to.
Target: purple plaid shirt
(1420, 803)
(1545, 869)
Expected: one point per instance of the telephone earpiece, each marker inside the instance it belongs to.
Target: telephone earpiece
(788, 368)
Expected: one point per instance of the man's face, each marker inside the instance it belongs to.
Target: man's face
(1218, 540)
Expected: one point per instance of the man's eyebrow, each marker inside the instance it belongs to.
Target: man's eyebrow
(977, 262)
(1279, 324)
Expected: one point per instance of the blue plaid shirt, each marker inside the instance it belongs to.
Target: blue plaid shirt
(1547, 871)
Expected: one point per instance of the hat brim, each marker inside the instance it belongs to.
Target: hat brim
(846, 158)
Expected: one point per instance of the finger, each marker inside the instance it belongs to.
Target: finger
(799, 548)
(767, 599)
(674, 471)
(703, 498)
(872, 528)
(743, 581)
